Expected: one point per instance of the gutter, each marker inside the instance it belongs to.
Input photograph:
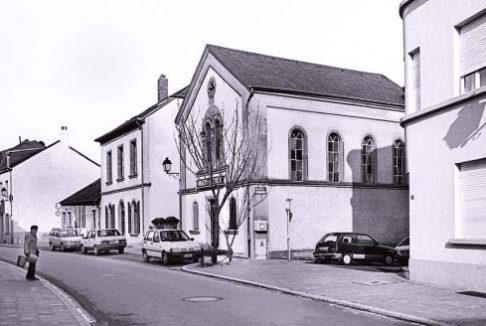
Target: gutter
(142, 220)
(248, 219)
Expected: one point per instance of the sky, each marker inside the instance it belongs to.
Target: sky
(92, 64)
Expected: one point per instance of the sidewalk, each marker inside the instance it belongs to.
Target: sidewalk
(25, 302)
(365, 288)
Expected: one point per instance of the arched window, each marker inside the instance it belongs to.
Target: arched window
(334, 158)
(63, 221)
(121, 217)
(368, 160)
(217, 140)
(7, 224)
(398, 162)
(207, 140)
(112, 216)
(195, 216)
(129, 210)
(107, 217)
(233, 224)
(297, 155)
(136, 217)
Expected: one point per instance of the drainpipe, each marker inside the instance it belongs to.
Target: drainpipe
(139, 124)
(249, 228)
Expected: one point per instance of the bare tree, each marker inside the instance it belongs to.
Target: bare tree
(225, 155)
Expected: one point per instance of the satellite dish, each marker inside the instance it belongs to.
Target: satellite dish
(58, 206)
(58, 213)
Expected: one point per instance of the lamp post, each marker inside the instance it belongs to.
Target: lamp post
(167, 166)
(9, 198)
(288, 200)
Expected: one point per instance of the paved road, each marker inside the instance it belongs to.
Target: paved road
(120, 290)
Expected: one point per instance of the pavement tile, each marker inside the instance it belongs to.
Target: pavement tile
(371, 286)
(30, 303)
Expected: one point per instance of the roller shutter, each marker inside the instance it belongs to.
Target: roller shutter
(473, 199)
(473, 45)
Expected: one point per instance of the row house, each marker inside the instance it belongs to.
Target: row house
(331, 143)
(134, 187)
(445, 69)
(33, 177)
(81, 210)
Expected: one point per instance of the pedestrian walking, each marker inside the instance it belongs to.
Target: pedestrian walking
(31, 252)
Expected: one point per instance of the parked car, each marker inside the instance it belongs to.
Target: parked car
(170, 245)
(403, 250)
(102, 241)
(64, 239)
(349, 247)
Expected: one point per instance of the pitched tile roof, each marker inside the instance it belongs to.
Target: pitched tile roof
(20, 153)
(88, 196)
(137, 120)
(280, 75)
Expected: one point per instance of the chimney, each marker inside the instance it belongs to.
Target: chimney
(64, 135)
(163, 89)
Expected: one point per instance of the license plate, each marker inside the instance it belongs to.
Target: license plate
(187, 255)
(114, 241)
(323, 248)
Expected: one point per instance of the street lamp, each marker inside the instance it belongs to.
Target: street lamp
(167, 166)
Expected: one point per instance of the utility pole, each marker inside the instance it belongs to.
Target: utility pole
(289, 214)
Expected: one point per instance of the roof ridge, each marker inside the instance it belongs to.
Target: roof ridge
(209, 46)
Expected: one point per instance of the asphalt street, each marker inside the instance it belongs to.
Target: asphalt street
(121, 290)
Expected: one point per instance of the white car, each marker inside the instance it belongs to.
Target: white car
(103, 241)
(169, 245)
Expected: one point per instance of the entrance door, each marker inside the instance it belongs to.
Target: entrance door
(214, 225)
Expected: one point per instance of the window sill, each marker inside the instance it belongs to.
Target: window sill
(132, 176)
(457, 242)
(235, 232)
(120, 179)
(196, 232)
(109, 183)
(134, 234)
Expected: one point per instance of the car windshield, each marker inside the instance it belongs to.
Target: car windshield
(329, 238)
(174, 236)
(69, 233)
(108, 233)
(404, 242)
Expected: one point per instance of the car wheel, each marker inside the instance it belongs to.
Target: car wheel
(51, 246)
(165, 258)
(96, 251)
(84, 250)
(388, 260)
(347, 259)
(121, 250)
(62, 247)
(145, 257)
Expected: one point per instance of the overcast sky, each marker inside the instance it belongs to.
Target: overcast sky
(91, 65)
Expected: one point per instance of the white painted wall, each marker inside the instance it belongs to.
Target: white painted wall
(45, 179)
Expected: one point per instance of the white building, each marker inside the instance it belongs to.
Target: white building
(81, 210)
(134, 187)
(445, 66)
(332, 143)
(35, 177)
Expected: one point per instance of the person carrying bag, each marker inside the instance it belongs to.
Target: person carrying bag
(31, 252)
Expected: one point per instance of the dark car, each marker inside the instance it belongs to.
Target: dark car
(403, 250)
(347, 247)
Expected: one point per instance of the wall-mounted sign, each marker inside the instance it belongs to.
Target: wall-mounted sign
(205, 183)
(260, 190)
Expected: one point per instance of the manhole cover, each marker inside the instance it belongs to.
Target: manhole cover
(202, 299)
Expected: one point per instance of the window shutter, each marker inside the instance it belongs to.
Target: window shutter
(472, 38)
(473, 199)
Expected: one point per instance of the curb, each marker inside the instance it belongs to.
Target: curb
(334, 301)
(82, 316)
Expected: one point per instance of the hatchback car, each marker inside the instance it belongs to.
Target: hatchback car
(170, 245)
(64, 239)
(102, 241)
(350, 247)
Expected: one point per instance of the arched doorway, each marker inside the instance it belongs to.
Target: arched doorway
(121, 217)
